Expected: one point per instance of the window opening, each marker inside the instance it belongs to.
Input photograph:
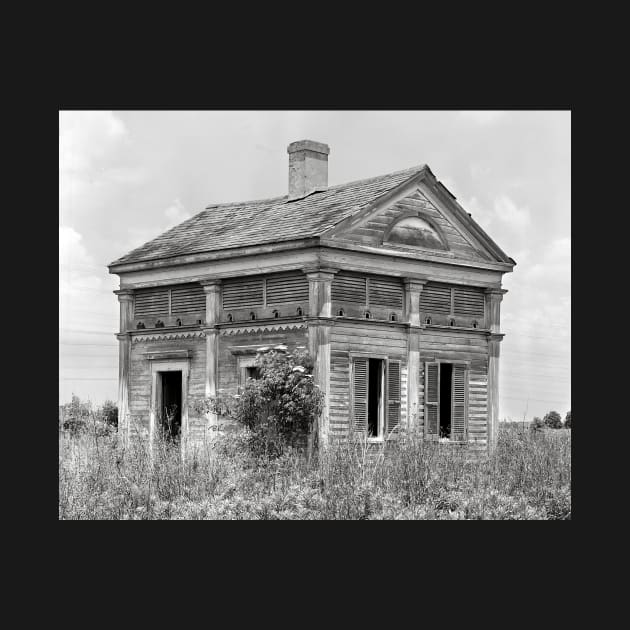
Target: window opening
(446, 388)
(171, 407)
(375, 397)
(252, 372)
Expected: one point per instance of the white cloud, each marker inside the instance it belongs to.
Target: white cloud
(176, 213)
(480, 213)
(88, 142)
(86, 137)
(482, 117)
(507, 211)
(84, 286)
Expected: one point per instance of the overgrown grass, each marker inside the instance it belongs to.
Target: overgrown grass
(528, 477)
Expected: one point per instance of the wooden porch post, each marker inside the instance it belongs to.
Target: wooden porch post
(493, 306)
(212, 289)
(125, 297)
(319, 322)
(413, 289)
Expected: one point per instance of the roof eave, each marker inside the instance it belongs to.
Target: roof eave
(222, 254)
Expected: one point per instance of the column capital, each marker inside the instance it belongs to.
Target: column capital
(496, 337)
(124, 295)
(414, 284)
(320, 273)
(495, 291)
(211, 284)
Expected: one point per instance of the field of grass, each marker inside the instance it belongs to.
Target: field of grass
(528, 477)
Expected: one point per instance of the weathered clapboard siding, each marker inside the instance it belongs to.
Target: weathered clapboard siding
(347, 337)
(373, 231)
(461, 346)
(228, 361)
(140, 382)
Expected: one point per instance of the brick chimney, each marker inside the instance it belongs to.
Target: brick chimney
(308, 167)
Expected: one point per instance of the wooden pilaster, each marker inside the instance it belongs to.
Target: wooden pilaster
(212, 289)
(319, 322)
(493, 309)
(125, 298)
(413, 289)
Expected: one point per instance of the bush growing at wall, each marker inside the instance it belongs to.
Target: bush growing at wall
(553, 420)
(280, 408)
(109, 413)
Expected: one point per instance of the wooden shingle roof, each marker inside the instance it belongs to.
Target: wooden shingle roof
(230, 225)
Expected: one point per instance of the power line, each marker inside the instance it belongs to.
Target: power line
(89, 379)
(534, 399)
(103, 345)
(88, 332)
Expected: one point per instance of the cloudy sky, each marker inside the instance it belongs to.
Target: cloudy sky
(125, 177)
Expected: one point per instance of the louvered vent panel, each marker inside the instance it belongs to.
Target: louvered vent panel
(469, 301)
(385, 291)
(289, 288)
(151, 302)
(347, 288)
(393, 396)
(435, 298)
(359, 394)
(188, 298)
(243, 292)
(458, 420)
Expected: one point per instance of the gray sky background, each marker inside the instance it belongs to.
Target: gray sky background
(125, 177)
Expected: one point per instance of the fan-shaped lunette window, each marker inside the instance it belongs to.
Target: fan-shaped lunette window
(416, 232)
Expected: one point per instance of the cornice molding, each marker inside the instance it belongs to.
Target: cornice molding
(189, 334)
(239, 330)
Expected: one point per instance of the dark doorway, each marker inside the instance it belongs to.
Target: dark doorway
(375, 381)
(171, 410)
(446, 380)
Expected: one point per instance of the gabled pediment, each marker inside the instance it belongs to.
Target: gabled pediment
(419, 217)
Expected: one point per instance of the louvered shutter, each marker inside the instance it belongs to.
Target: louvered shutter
(384, 291)
(469, 301)
(288, 288)
(458, 410)
(349, 288)
(188, 298)
(393, 396)
(151, 303)
(360, 395)
(432, 400)
(242, 292)
(435, 298)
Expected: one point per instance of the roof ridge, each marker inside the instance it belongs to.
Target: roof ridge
(244, 203)
(411, 169)
(418, 168)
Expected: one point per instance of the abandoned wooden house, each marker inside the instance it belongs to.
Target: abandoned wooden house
(389, 282)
